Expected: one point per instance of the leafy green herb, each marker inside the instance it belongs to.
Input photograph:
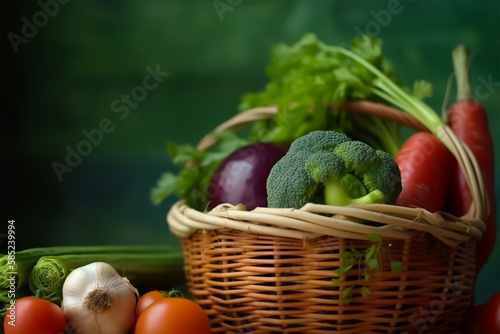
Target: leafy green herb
(368, 261)
(306, 79)
(365, 291)
(396, 266)
(196, 169)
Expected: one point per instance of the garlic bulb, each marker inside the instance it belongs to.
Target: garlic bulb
(97, 300)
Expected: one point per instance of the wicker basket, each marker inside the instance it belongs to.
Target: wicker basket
(270, 270)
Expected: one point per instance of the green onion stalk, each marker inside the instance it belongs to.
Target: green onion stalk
(378, 133)
(385, 88)
(25, 260)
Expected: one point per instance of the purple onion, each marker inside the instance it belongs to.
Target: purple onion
(241, 178)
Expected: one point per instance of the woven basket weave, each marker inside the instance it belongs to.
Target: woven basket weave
(270, 270)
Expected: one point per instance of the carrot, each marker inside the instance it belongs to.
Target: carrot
(469, 121)
(424, 162)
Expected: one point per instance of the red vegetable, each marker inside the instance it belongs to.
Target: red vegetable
(469, 122)
(34, 315)
(482, 319)
(491, 316)
(424, 162)
(472, 321)
(146, 300)
(241, 178)
(172, 316)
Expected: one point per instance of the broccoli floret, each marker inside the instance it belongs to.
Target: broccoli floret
(327, 167)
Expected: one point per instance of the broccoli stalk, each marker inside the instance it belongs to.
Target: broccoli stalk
(327, 167)
(344, 192)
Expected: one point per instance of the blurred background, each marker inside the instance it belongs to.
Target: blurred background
(71, 67)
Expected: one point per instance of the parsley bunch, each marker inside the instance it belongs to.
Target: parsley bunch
(309, 81)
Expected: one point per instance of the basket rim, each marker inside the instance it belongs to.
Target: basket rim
(315, 220)
(309, 221)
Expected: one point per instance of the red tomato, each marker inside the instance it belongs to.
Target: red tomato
(483, 319)
(491, 316)
(34, 315)
(172, 316)
(472, 321)
(147, 299)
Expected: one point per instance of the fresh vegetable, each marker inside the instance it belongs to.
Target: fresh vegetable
(97, 300)
(241, 177)
(147, 299)
(34, 315)
(491, 316)
(469, 121)
(26, 259)
(7, 295)
(23, 263)
(173, 315)
(308, 81)
(147, 268)
(384, 87)
(375, 82)
(309, 84)
(327, 167)
(484, 318)
(196, 170)
(425, 165)
(472, 321)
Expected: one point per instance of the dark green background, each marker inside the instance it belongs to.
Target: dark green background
(64, 79)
